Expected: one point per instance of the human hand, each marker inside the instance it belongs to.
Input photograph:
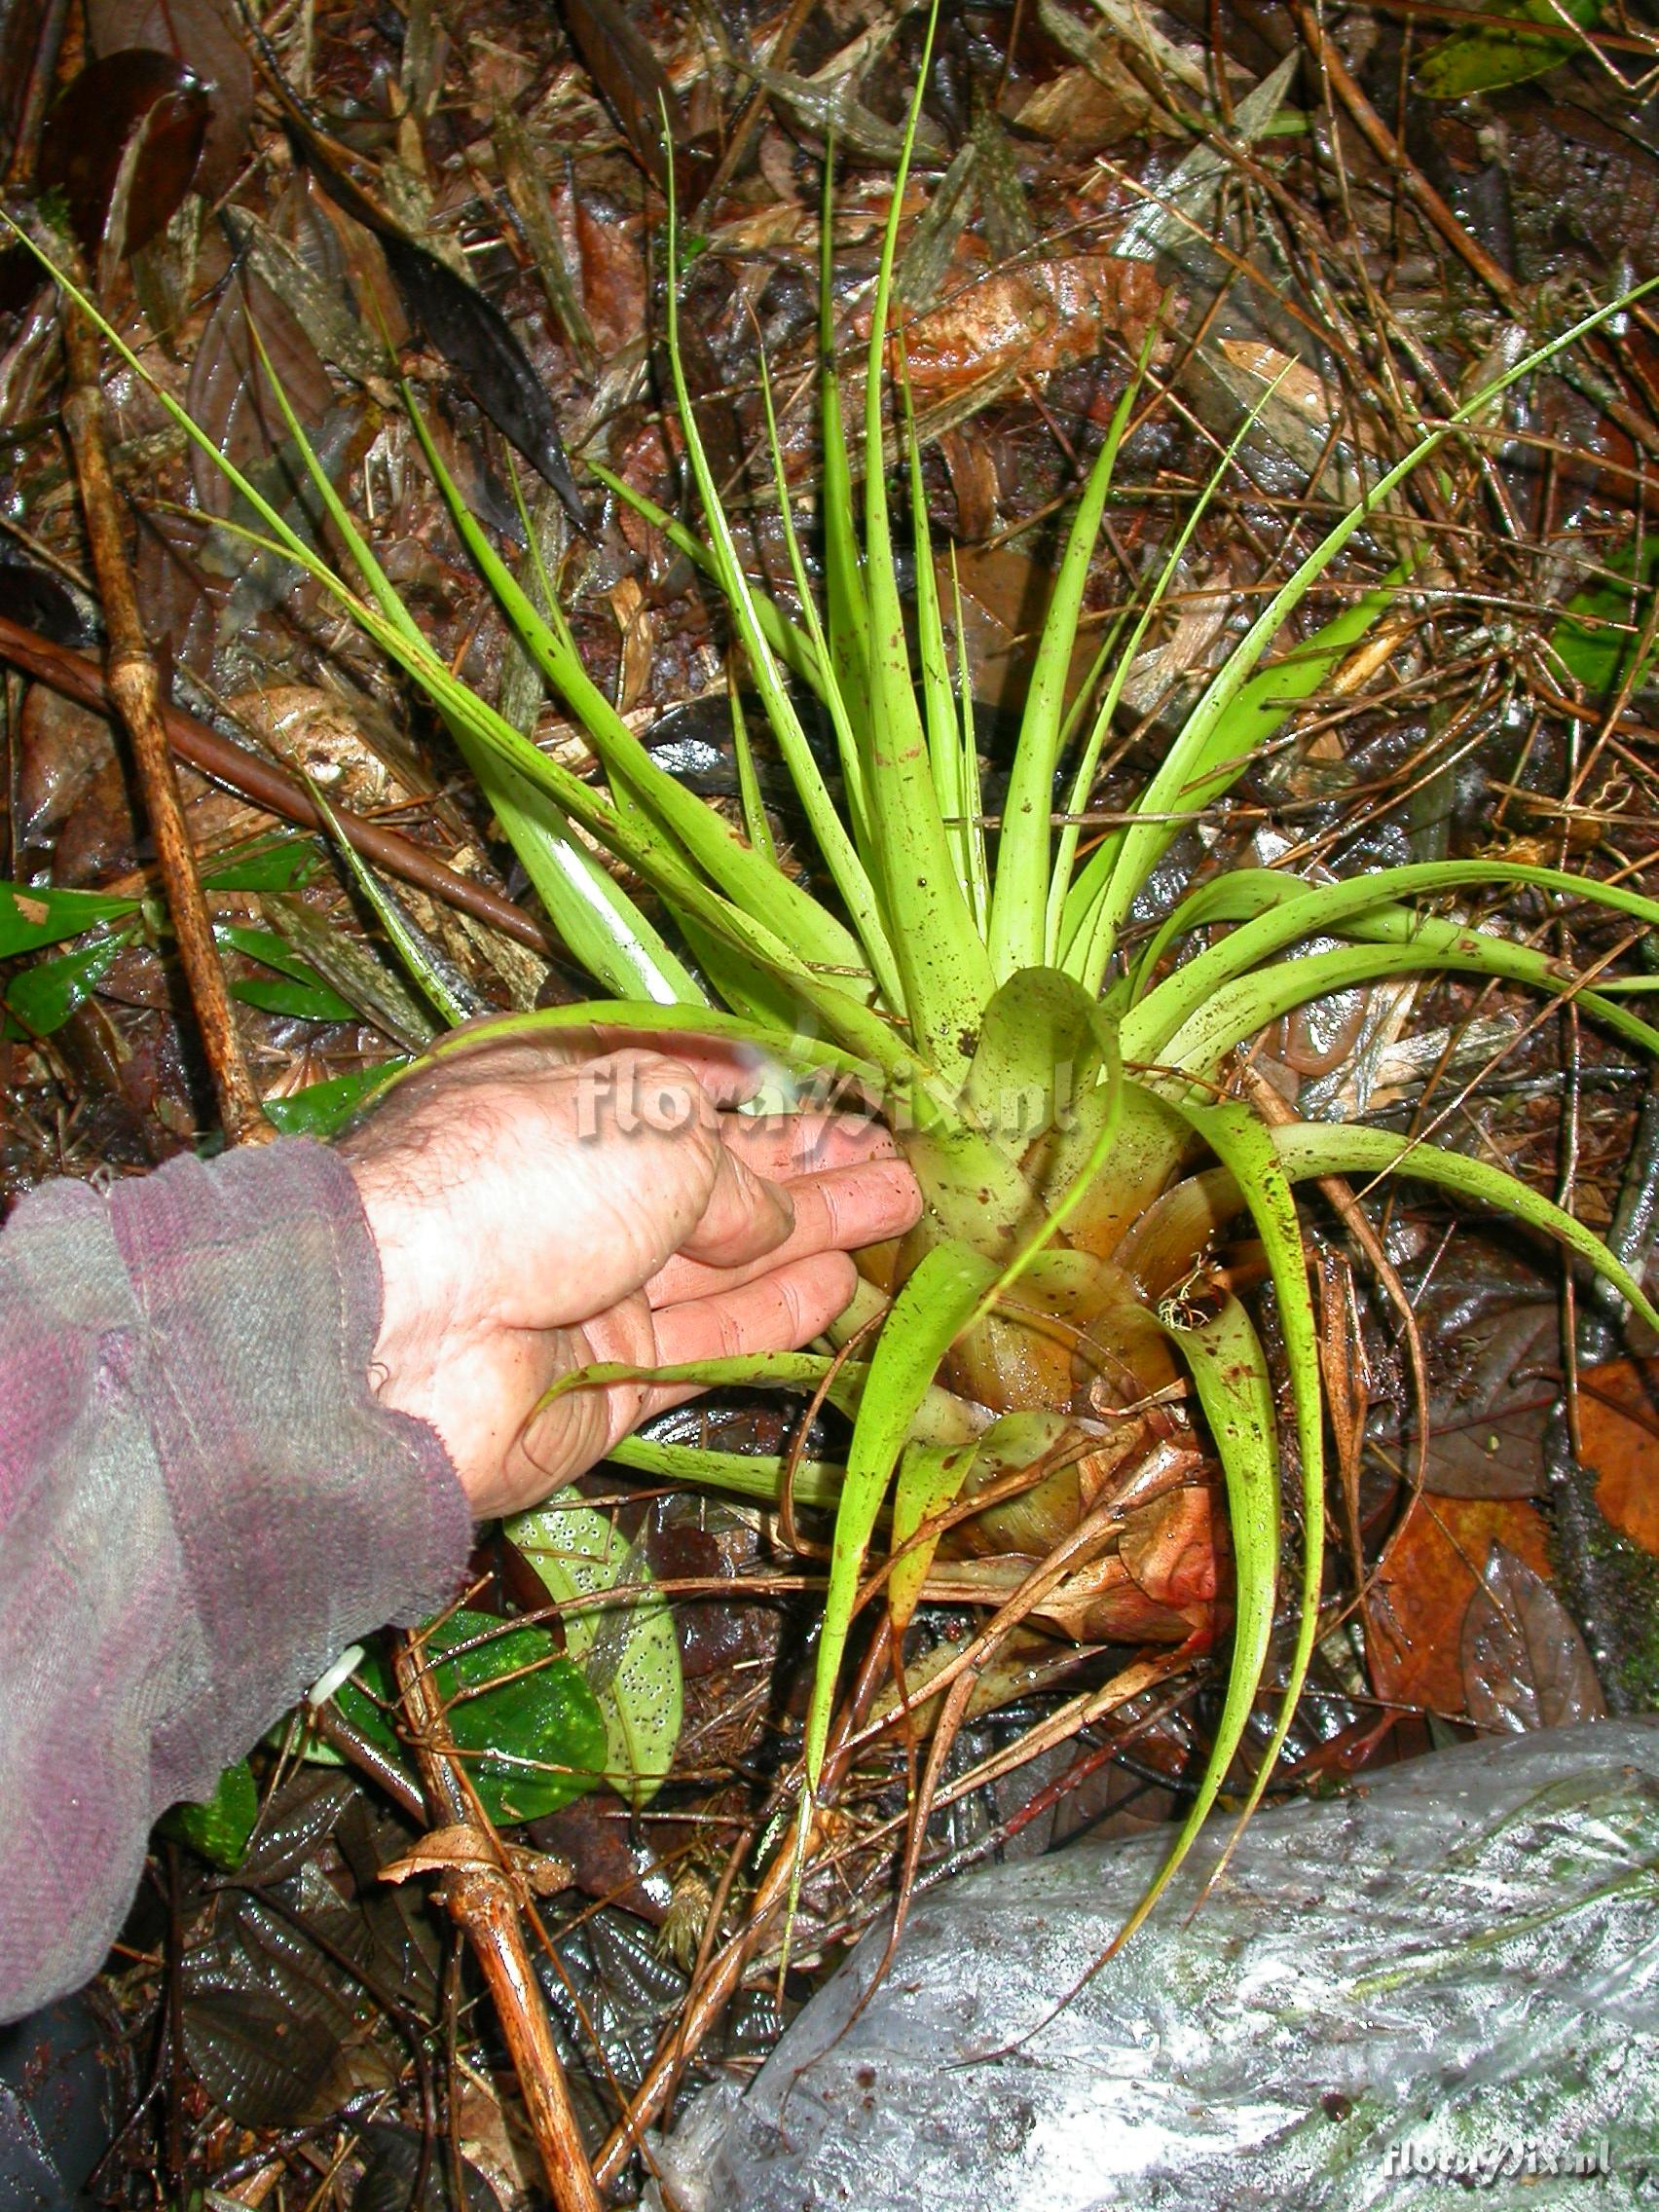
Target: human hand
(538, 1209)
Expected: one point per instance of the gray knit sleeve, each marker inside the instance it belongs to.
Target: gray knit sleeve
(200, 1504)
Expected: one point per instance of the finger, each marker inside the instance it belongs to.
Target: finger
(780, 1312)
(841, 1211)
(783, 1146)
(731, 1073)
(747, 1216)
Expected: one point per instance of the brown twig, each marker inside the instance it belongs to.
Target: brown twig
(482, 1896)
(203, 748)
(134, 692)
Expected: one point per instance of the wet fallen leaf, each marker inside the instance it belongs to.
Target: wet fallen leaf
(271, 2021)
(1524, 1662)
(231, 395)
(1486, 1417)
(1169, 1546)
(1430, 1573)
(205, 38)
(123, 146)
(1618, 1418)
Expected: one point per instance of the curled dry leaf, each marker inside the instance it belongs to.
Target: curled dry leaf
(991, 324)
(202, 37)
(1524, 1662)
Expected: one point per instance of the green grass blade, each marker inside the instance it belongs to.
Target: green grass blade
(967, 830)
(1278, 909)
(827, 829)
(605, 933)
(845, 599)
(740, 1474)
(832, 693)
(756, 826)
(429, 978)
(791, 643)
(788, 1048)
(1242, 1008)
(745, 876)
(939, 699)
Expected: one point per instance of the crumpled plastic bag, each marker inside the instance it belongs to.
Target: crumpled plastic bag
(1437, 1988)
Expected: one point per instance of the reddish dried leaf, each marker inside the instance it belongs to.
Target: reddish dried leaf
(1618, 1417)
(996, 322)
(203, 37)
(1432, 1570)
(123, 146)
(1169, 1546)
(1524, 1662)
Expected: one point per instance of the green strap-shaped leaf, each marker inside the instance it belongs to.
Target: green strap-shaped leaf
(43, 997)
(1213, 746)
(941, 958)
(930, 1478)
(1018, 928)
(844, 861)
(926, 1318)
(757, 1475)
(30, 919)
(1309, 1149)
(1244, 1146)
(1278, 909)
(1241, 1009)
(1229, 1368)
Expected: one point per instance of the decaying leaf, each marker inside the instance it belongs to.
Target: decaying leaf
(1618, 1418)
(123, 146)
(1429, 1573)
(1524, 1662)
(205, 38)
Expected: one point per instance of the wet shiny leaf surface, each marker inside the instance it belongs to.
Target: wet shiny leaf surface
(125, 143)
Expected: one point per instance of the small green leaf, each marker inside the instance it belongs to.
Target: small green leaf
(31, 919)
(536, 1740)
(274, 863)
(323, 1109)
(299, 1002)
(219, 1828)
(629, 1650)
(1599, 631)
(44, 997)
(1476, 62)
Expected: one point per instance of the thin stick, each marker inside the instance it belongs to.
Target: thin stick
(135, 693)
(203, 748)
(482, 1898)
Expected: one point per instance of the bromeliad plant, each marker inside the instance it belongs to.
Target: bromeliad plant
(1072, 1112)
